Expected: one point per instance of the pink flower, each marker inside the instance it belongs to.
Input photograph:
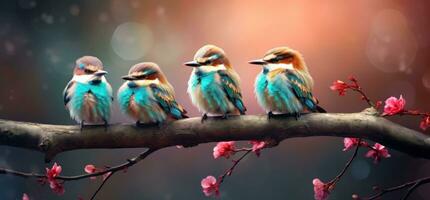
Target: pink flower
(257, 146)
(224, 149)
(321, 190)
(350, 143)
(378, 104)
(53, 172)
(90, 169)
(57, 187)
(394, 106)
(210, 186)
(51, 175)
(339, 86)
(25, 197)
(378, 152)
(425, 123)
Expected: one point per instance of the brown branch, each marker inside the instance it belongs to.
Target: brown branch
(101, 185)
(347, 165)
(54, 139)
(235, 163)
(123, 166)
(412, 186)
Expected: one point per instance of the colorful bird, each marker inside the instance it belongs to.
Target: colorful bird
(148, 97)
(214, 85)
(285, 85)
(88, 96)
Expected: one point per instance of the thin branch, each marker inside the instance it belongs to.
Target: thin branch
(229, 171)
(101, 185)
(364, 96)
(54, 139)
(412, 186)
(347, 165)
(123, 166)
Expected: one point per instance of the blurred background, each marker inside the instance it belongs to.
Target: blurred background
(385, 44)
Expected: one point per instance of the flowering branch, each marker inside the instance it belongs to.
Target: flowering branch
(210, 184)
(101, 185)
(342, 87)
(393, 106)
(412, 185)
(230, 170)
(56, 181)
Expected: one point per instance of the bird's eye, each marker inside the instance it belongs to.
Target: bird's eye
(274, 60)
(141, 76)
(87, 71)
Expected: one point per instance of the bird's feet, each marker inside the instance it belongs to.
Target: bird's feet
(106, 124)
(204, 117)
(296, 115)
(82, 124)
(138, 124)
(270, 115)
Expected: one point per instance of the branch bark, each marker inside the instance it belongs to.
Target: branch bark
(54, 139)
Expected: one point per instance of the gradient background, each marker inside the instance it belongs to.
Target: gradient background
(385, 44)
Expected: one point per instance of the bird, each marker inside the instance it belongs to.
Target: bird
(214, 85)
(148, 97)
(88, 96)
(284, 86)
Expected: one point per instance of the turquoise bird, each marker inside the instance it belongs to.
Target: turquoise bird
(148, 97)
(214, 85)
(88, 96)
(284, 87)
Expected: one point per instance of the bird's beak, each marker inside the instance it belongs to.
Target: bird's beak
(192, 64)
(100, 73)
(129, 78)
(257, 62)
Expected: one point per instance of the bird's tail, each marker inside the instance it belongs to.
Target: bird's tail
(320, 109)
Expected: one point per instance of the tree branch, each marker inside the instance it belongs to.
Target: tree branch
(54, 139)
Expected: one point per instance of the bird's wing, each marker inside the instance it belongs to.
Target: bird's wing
(232, 90)
(302, 92)
(167, 102)
(67, 95)
(109, 89)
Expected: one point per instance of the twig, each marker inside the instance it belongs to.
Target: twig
(347, 165)
(364, 96)
(101, 185)
(412, 186)
(129, 163)
(229, 171)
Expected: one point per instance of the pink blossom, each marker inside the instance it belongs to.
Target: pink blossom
(394, 106)
(257, 146)
(25, 197)
(350, 143)
(90, 169)
(57, 187)
(224, 149)
(378, 152)
(210, 186)
(321, 190)
(51, 175)
(339, 86)
(425, 123)
(378, 104)
(53, 172)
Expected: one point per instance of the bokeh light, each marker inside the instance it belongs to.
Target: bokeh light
(392, 46)
(131, 40)
(426, 80)
(360, 169)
